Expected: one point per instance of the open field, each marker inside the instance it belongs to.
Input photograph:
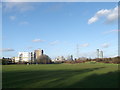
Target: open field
(61, 76)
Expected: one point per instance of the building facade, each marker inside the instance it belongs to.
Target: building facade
(101, 54)
(97, 53)
(24, 56)
(15, 59)
(30, 57)
(37, 54)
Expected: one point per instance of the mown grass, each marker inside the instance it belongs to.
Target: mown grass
(61, 76)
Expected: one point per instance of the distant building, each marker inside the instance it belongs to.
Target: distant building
(83, 58)
(37, 54)
(24, 56)
(60, 58)
(70, 57)
(15, 59)
(97, 53)
(101, 54)
(30, 57)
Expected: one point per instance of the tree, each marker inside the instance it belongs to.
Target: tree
(44, 59)
(6, 61)
(116, 60)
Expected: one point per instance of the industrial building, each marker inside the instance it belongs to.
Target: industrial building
(24, 56)
(60, 58)
(30, 57)
(38, 53)
(15, 59)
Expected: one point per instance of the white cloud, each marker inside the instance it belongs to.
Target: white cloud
(30, 47)
(90, 54)
(37, 40)
(12, 17)
(0, 5)
(54, 42)
(24, 23)
(17, 7)
(84, 45)
(92, 20)
(111, 15)
(105, 45)
(111, 31)
(7, 50)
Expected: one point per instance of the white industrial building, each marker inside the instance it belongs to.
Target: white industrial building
(28, 56)
(24, 56)
(60, 58)
(15, 59)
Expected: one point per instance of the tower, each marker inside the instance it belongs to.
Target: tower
(32, 57)
(97, 53)
(101, 54)
(71, 57)
(37, 54)
(77, 51)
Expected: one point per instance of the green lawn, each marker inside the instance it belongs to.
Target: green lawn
(60, 76)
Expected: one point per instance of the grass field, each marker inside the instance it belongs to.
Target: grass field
(60, 76)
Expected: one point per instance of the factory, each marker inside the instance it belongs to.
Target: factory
(30, 57)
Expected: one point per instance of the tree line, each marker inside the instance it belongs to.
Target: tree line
(114, 60)
(43, 59)
(47, 60)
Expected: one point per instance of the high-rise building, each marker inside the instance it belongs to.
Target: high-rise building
(37, 54)
(101, 54)
(32, 57)
(97, 53)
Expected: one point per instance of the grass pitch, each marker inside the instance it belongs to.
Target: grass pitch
(61, 76)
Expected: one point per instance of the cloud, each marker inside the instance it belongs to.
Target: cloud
(111, 31)
(12, 18)
(54, 42)
(17, 7)
(105, 45)
(54, 7)
(92, 20)
(7, 50)
(84, 45)
(37, 40)
(90, 54)
(29, 47)
(0, 5)
(111, 15)
(24, 23)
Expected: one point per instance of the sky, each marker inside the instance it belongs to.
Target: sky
(60, 28)
(60, 0)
